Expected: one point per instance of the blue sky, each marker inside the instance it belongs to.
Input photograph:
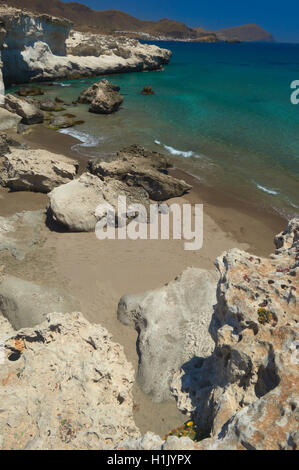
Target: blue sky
(281, 18)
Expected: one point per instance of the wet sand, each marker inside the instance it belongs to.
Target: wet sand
(98, 273)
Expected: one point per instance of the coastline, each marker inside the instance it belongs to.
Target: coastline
(99, 273)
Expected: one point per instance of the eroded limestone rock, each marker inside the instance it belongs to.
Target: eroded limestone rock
(172, 325)
(36, 170)
(65, 385)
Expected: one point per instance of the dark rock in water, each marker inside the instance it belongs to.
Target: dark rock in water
(30, 91)
(147, 90)
(61, 122)
(103, 97)
(50, 106)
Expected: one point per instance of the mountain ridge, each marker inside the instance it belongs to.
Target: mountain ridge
(115, 21)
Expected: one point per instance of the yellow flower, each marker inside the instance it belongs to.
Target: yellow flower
(190, 423)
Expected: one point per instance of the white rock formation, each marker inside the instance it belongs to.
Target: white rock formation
(173, 327)
(34, 50)
(36, 170)
(65, 385)
(74, 204)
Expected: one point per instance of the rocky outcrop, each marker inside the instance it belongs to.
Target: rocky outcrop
(36, 170)
(35, 50)
(65, 385)
(26, 304)
(29, 113)
(103, 97)
(149, 56)
(7, 142)
(141, 168)
(74, 205)
(173, 327)
(21, 233)
(246, 394)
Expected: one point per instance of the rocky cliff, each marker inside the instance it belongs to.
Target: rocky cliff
(33, 48)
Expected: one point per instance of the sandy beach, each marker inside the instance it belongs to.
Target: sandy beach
(97, 273)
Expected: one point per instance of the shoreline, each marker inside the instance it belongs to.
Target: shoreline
(99, 273)
(249, 218)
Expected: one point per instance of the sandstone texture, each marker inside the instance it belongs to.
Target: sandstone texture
(139, 167)
(103, 97)
(173, 327)
(29, 113)
(36, 170)
(74, 205)
(65, 385)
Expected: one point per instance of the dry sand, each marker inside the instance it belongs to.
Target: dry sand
(98, 273)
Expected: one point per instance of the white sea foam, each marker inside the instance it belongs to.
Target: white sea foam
(267, 190)
(86, 139)
(177, 152)
(62, 84)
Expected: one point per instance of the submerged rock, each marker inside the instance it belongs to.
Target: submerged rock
(147, 90)
(103, 97)
(50, 106)
(141, 168)
(65, 385)
(74, 204)
(36, 170)
(173, 327)
(30, 91)
(29, 113)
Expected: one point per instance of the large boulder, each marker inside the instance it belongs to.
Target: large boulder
(141, 168)
(172, 325)
(103, 97)
(8, 119)
(245, 395)
(26, 304)
(22, 232)
(74, 204)
(36, 170)
(65, 385)
(29, 113)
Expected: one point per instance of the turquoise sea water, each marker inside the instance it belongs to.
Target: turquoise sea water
(221, 111)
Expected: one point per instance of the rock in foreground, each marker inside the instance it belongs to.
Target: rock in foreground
(246, 394)
(173, 327)
(65, 385)
(8, 119)
(74, 204)
(36, 170)
(103, 97)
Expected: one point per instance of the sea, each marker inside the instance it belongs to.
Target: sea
(221, 112)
